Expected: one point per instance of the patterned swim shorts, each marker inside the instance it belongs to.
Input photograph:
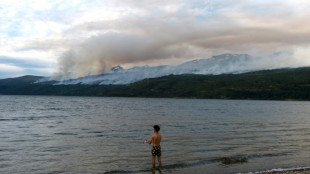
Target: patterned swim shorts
(156, 151)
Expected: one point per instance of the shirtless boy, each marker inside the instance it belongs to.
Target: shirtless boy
(156, 151)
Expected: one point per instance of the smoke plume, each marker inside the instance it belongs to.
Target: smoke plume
(181, 31)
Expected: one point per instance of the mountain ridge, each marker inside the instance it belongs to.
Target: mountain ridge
(280, 84)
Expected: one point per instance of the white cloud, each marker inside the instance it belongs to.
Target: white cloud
(10, 68)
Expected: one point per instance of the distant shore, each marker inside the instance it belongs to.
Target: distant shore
(280, 84)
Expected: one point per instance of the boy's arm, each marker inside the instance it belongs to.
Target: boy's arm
(149, 141)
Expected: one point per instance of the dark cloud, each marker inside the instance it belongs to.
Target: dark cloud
(22, 62)
(15, 67)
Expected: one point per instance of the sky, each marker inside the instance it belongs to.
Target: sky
(48, 37)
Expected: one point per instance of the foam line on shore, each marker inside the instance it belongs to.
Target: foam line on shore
(280, 170)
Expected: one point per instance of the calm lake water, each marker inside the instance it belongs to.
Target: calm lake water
(41, 134)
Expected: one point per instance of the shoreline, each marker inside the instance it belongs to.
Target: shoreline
(283, 171)
(287, 171)
(238, 170)
(297, 170)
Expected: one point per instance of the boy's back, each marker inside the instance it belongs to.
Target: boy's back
(156, 138)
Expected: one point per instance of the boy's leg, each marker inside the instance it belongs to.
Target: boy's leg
(159, 161)
(153, 161)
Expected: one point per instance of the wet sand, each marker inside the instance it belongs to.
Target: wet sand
(299, 171)
(278, 172)
(274, 171)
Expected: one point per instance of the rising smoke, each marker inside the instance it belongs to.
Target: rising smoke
(99, 53)
(158, 32)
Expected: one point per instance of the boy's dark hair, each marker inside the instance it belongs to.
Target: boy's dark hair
(156, 127)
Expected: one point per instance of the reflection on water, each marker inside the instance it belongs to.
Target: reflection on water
(156, 171)
(106, 135)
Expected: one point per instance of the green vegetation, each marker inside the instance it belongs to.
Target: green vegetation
(24, 80)
(283, 84)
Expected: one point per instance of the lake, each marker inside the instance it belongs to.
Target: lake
(42, 134)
